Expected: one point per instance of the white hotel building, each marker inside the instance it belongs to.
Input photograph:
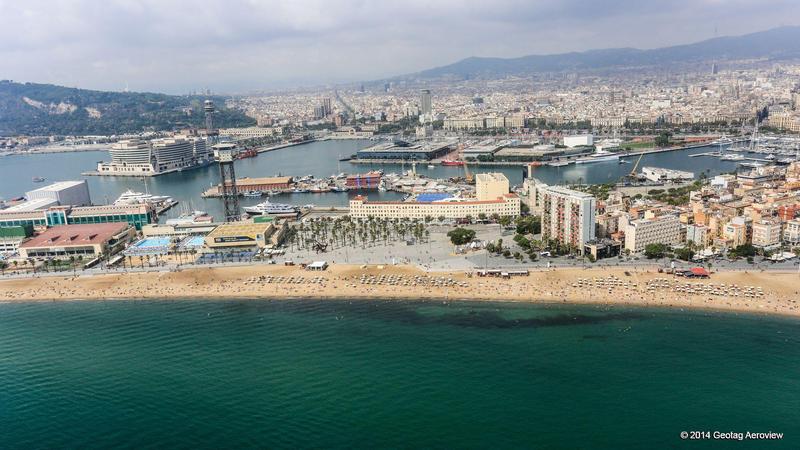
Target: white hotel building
(492, 197)
(659, 230)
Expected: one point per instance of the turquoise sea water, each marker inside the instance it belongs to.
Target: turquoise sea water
(389, 374)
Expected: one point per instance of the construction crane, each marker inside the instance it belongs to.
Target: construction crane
(468, 176)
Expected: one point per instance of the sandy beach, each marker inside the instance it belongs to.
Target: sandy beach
(760, 292)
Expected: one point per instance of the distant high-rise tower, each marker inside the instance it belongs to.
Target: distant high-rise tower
(326, 106)
(714, 69)
(230, 193)
(208, 107)
(426, 108)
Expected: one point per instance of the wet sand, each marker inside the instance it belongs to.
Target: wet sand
(760, 292)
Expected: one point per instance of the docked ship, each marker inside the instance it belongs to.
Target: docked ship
(319, 188)
(253, 194)
(131, 197)
(732, 157)
(723, 140)
(598, 156)
(249, 153)
(268, 208)
(451, 162)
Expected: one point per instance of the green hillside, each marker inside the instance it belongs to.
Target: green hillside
(45, 109)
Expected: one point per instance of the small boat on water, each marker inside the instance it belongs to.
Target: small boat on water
(299, 191)
(252, 194)
(38, 179)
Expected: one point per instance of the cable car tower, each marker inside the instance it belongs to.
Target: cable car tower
(230, 194)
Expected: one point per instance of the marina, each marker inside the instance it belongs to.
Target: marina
(320, 159)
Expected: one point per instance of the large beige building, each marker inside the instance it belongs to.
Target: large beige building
(659, 230)
(490, 186)
(492, 197)
(766, 234)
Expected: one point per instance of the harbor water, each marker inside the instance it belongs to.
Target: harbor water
(320, 159)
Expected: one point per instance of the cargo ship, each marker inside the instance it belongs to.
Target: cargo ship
(249, 153)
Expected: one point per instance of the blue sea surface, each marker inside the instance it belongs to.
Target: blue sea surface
(389, 374)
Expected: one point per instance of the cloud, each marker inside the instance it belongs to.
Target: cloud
(235, 45)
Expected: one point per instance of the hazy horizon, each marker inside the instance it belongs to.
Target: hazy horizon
(240, 46)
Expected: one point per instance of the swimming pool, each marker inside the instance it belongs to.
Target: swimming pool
(152, 242)
(194, 241)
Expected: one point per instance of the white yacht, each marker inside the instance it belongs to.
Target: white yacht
(598, 156)
(131, 197)
(268, 207)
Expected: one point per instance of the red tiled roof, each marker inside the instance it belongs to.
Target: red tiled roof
(73, 235)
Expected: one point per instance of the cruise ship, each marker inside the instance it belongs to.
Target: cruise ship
(131, 197)
(271, 208)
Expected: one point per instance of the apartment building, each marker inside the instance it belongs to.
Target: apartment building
(767, 234)
(791, 232)
(568, 216)
(658, 230)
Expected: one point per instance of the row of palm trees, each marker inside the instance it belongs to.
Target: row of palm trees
(321, 233)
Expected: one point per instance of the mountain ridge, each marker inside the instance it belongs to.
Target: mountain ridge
(45, 109)
(776, 43)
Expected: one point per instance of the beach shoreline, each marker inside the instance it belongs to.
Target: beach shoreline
(760, 293)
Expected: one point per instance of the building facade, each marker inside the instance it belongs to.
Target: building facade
(508, 205)
(658, 230)
(70, 193)
(12, 237)
(78, 240)
(767, 234)
(568, 216)
(135, 215)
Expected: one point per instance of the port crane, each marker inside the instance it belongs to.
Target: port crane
(632, 176)
(468, 176)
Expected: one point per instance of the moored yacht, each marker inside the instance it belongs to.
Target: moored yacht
(268, 207)
(131, 197)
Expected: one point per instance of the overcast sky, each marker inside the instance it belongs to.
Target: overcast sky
(241, 45)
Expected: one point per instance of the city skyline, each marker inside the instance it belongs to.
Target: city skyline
(246, 46)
